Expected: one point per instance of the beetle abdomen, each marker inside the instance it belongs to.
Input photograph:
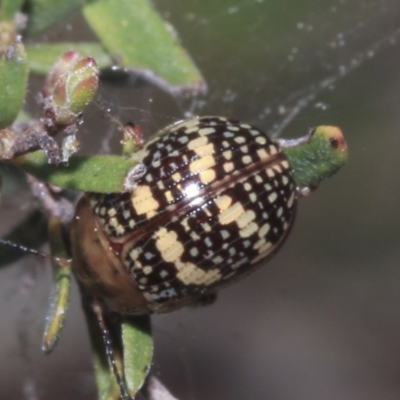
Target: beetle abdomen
(216, 198)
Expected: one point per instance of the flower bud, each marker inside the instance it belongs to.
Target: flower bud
(70, 86)
(61, 67)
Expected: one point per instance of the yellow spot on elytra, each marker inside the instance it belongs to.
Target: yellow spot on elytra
(270, 172)
(259, 243)
(206, 131)
(204, 150)
(291, 200)
(200, 141)
(208, 212)
(176, 176)
(189, 273)
(272, 150)
(265, 250)
(228, 167)
(147, 269)
(237, 264)
(247, 186)
(285, 226)
(206, 226)
(120, 229)
(192, 130)
(261, 140)
(193, 123)
(248, 230)
(207, 176)
(262, 154)
(247, 227)
(247, 159)
(168, 196)
(272, 197)
(143, 201)
(185, 224)
(264, 230)
(246, 218)
(223, 202)
(160, 185)
(202, 164)
(194, 236)
(285, 164)
(227, 154)
(265, 247)
(134, 254)
(240, 139)
(168, 245)
(113, 222)
(111, 212)
(231, 214)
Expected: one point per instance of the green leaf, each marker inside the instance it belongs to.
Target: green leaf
(62, 274)
(13, 75)
(43, 14)
(9, 8)
(138, 351)
(141, 41)
(136, 356)
(31, 232)
(42, 56)
(101, 174)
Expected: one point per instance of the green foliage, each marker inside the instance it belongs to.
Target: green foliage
(153, 47)
(97, 173)
(140, 42)
(13, 74)
(136, 38)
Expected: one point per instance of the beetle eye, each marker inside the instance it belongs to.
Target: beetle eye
(334, 142)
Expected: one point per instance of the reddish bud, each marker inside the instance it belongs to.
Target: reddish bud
(70, 86)
(62, 66)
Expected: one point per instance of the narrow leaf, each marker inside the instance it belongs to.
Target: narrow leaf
(43, 14)
(141, 41)
(102, 173)
(62, 286)
(138, 351)
(13, 74)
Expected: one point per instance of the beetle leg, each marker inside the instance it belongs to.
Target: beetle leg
(98, 311)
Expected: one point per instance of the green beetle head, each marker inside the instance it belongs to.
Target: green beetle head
(316, 156)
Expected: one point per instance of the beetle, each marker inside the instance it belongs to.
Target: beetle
(216, 197)
(206, 201)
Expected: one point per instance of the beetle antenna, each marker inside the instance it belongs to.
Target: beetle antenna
(23, 248)
(41, 254)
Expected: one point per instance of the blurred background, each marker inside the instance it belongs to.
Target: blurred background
(321, 321)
